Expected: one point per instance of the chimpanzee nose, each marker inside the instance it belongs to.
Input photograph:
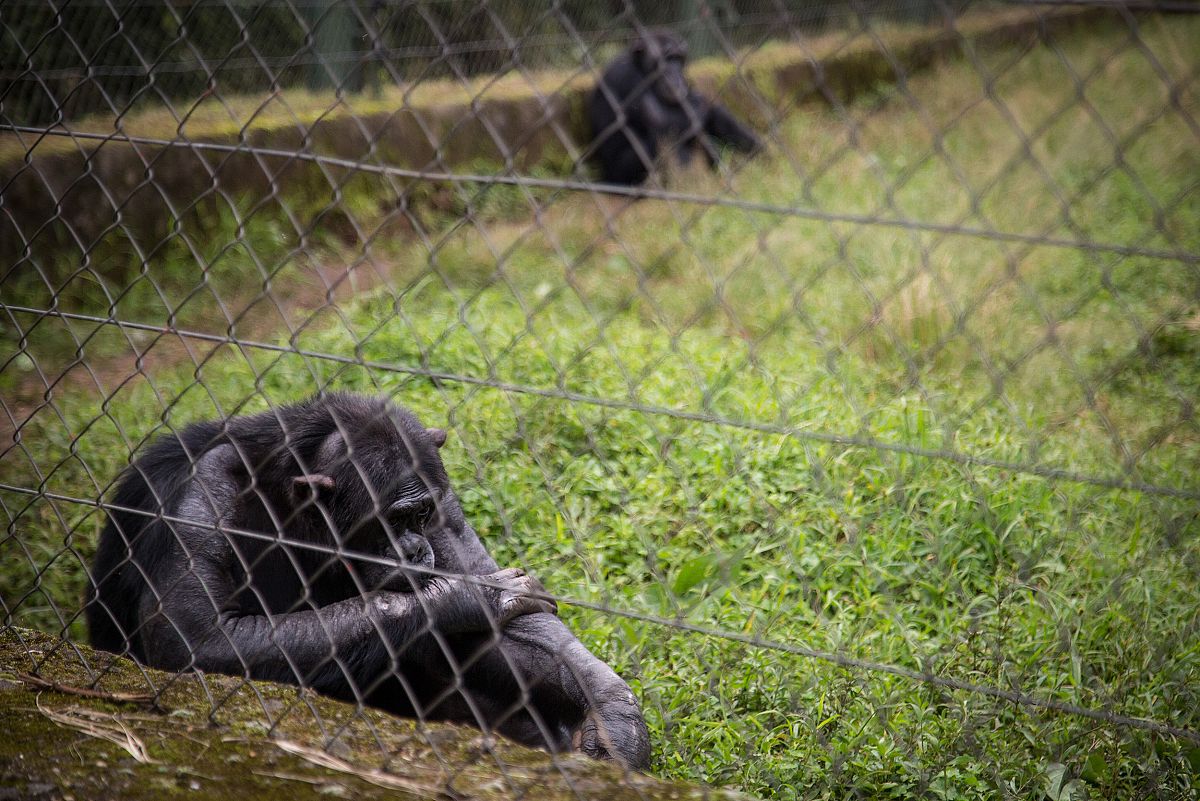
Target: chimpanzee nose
(411, 547)
(415, 549)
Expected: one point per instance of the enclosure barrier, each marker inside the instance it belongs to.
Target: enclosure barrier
(860, 465)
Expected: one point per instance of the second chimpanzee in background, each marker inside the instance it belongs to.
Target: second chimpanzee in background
(643, 102)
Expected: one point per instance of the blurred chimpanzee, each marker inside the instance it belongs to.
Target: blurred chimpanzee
(321, 544)
(643, 99)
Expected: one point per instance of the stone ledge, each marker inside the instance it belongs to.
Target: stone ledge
(68, 192)
(138, 733)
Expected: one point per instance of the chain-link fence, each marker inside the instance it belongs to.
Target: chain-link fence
(848, 425)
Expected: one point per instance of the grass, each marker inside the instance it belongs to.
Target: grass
(757, 331)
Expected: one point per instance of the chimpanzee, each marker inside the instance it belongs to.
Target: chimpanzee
(321, 544)
(643, 99)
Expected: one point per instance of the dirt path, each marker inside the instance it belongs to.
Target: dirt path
(318, 288)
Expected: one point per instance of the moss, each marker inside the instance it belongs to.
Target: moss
(217, 737)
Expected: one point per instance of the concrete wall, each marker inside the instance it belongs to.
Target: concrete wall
(62, 196)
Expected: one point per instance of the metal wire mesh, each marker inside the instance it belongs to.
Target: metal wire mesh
(868, 462)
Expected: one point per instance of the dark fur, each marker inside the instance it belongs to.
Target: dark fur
(195, 595)
(643, 102)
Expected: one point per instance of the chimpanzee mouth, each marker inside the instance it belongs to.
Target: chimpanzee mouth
(405, 577)
(390, 557)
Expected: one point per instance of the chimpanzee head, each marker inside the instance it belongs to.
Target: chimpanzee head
(375, 485)
(662, 55)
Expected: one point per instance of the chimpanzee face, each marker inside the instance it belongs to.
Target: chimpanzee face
(378, 488)
(663, 55)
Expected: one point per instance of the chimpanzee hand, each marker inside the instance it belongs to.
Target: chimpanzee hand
(517, 596)
(455, 605)
(652, 114)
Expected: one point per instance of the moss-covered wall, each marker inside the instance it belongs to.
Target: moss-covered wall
(64, 192)
(84, 725)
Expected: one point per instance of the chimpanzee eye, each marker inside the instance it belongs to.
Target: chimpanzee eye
(415, 512)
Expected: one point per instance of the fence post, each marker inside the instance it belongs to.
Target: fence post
(334, 40)
(699, 17)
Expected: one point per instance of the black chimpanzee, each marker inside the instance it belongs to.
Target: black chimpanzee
(643, 99)
(321, 544)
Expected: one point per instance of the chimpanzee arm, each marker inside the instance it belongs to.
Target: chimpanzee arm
(650, 116)
(549, 657)
(191, 618)
(624, 162)
(579, 701)
(724, 128)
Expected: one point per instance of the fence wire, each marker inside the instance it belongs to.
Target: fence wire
(844, 409)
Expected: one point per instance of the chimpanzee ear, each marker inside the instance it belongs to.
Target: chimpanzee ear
(438, 435)
(311, 485)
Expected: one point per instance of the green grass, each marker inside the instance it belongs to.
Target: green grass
(1058, 589)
